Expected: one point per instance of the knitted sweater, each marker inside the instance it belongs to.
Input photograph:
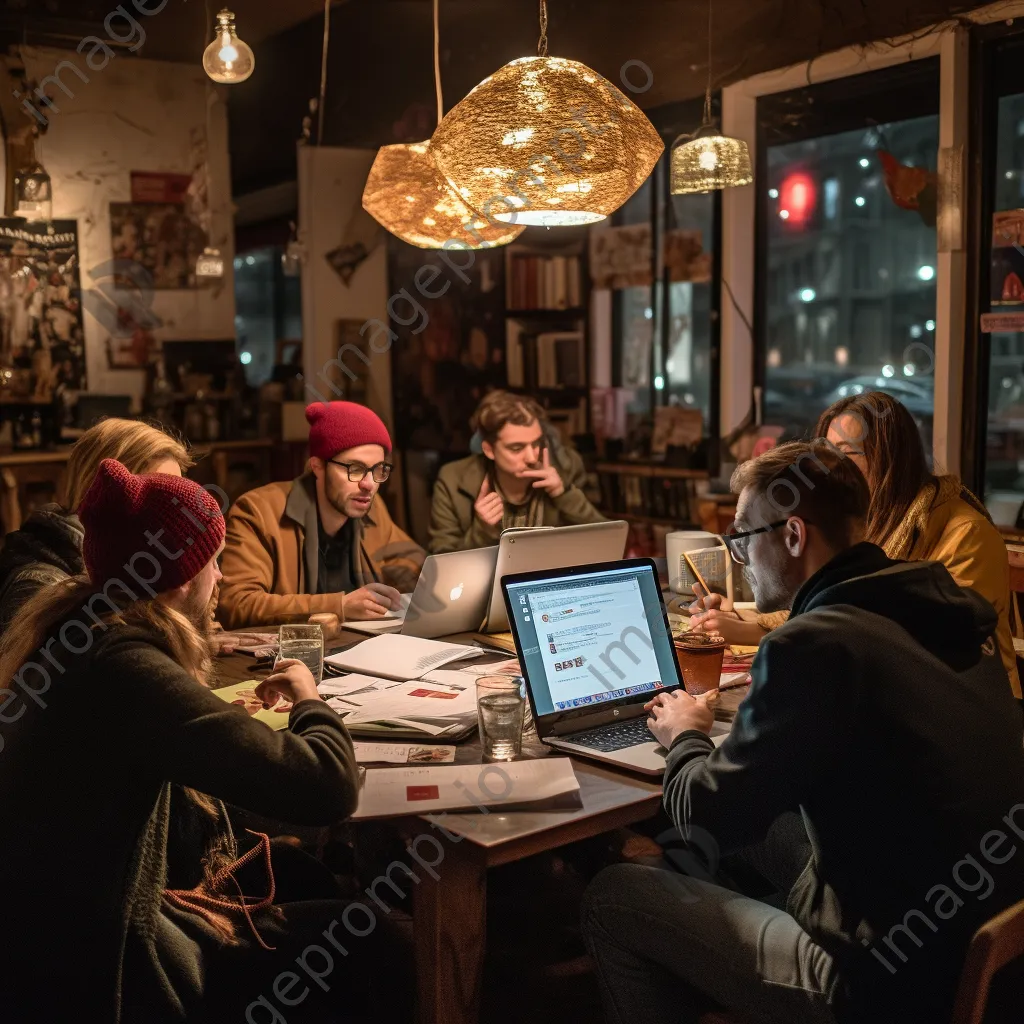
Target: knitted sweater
(87, 784)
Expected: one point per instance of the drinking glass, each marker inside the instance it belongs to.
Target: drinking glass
(500, 705)
(304, 643)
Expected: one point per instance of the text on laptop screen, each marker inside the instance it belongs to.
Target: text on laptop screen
(590, 637)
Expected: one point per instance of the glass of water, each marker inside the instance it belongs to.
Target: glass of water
(500, 705)
(305, 643)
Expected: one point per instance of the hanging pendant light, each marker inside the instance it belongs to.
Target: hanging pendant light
(546, 140)
(709, 160)
(407, 194)
(227, 59)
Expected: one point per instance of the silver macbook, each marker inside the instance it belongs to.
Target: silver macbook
(594, 645)
(551, 548)
(450, 597)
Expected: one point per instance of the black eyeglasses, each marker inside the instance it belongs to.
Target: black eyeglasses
(357, 471)
(737, 542)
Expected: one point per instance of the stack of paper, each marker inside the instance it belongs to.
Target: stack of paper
(547, 783)
(401, 657)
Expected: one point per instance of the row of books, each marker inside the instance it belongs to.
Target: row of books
(647, 496)
(543, 282)
(545, 359)
(569, 421)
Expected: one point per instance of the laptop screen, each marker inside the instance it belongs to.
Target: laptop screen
(589, 636)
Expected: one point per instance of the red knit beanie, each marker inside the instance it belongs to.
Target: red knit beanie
(158, 530)
(335, 426)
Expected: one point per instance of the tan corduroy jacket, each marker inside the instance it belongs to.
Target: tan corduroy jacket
(947, 524)
(270, 562)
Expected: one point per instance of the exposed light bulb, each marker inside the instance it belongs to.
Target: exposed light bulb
(227, 59)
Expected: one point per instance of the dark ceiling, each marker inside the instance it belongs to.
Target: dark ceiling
(380, 86)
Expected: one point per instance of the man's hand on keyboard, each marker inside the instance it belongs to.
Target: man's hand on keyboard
(672, 714)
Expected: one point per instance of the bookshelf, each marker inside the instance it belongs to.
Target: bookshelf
(546, 324)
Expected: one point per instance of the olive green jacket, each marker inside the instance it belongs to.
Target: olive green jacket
(455, 527)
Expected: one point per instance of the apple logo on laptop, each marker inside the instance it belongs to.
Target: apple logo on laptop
(456, 593)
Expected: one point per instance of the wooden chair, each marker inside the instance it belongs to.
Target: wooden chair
(996, 944)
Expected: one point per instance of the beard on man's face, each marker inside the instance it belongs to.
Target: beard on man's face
(353, 504)
(199, 611)
(771, 592)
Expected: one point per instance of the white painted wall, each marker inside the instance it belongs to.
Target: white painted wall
(136, 115)
(331, 184)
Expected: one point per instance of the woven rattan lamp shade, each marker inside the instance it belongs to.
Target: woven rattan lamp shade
(710, 162)
(545, 140)
(406, 193)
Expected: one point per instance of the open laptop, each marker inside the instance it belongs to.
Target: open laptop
(551, 548)
(450, 597)
(594, 645)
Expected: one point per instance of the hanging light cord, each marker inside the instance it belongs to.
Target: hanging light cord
(323, 75)
(707, 93)
(542, 43)
(437, 61)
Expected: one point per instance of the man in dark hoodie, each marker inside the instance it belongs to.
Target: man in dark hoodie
(875, 713)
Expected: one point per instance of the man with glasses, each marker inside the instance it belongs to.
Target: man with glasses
(521, 477)
(876, 713)
(324, 542)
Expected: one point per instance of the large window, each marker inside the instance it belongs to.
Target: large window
(1001, 280)
(665, 338)
(847, 244)
(268, 313)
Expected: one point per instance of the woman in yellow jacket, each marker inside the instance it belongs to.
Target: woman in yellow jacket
(914, 516)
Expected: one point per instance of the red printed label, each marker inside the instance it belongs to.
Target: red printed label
(433, 693)
(421, 793)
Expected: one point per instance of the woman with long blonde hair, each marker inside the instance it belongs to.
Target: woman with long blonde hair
(107, 733)
(48, 547)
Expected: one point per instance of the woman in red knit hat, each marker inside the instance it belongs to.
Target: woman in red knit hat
(324, 543)
(108, 738)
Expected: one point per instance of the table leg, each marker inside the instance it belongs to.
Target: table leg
(450, 929)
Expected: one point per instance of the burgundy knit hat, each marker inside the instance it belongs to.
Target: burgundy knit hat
(335, 426)
(157, 528)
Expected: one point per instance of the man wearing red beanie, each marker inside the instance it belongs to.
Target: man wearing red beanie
(324, 542)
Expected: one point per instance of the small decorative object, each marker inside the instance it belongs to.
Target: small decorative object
(358, 241)
(910, 188)
(708, 160)
(408, 195)
(294, 254)
(227, 59)
(33, 193)
(545, 140)
(210, 263)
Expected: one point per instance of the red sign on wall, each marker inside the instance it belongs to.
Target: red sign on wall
(156, 187)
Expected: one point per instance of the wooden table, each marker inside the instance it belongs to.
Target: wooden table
(450, 911)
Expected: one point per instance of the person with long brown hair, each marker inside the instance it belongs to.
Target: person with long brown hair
(914, 515)
(106, 720)
(48, 546)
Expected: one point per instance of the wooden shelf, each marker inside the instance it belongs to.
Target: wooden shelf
(545, 314)
(647, 470)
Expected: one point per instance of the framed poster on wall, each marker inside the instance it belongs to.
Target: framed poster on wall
(41, 302)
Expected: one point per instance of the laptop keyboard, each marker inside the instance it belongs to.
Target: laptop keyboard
(616, 736)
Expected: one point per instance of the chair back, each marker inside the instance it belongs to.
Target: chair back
(996, 943)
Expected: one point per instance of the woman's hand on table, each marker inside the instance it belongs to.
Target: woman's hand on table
(290, 680)
(710, 613)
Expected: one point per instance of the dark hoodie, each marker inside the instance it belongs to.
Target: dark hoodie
(47, 549)
(875, 711)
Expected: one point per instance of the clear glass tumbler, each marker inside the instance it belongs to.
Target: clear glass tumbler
(305, 643)
(501, 705)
